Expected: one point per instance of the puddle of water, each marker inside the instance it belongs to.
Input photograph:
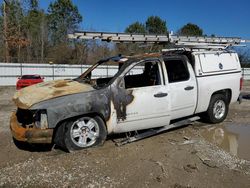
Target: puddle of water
(234, 138)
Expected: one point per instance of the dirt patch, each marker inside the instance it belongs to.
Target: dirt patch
(178, 158)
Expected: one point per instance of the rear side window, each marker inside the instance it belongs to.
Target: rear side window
(177, 70)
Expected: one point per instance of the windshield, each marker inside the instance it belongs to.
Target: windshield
(101, 73)
(31, 77)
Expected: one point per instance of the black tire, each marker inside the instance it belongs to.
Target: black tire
(76, 137)
(217, 110)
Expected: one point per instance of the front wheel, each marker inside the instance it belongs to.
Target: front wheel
(84, 132)
(217, 109)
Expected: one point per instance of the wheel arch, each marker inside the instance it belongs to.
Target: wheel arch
(209, 116)
(226, 92)
(90, 114)
(59, 124)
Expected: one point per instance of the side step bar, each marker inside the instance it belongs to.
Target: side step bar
(152, 132)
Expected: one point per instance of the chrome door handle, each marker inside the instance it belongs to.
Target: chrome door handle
(158, 95)
(189, 88)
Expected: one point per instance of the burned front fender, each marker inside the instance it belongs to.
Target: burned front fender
(61, 108)
(36, 124)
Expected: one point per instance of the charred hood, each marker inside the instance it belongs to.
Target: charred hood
(31, 95)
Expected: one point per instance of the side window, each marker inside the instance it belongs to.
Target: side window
(177, 70)
(143, 75)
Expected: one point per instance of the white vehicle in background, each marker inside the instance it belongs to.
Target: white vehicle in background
(157, 92)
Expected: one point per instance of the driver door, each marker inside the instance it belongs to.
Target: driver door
(150, 106)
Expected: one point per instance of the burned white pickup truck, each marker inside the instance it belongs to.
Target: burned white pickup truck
(150, 91)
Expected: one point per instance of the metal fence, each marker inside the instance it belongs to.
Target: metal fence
(9, 72)
(246, 73)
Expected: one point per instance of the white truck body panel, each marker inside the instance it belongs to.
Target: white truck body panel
(183, 102)
(217, 63)
(211, 84)
(146, 111)
(216, 71)
(210, 72)
(208, 63)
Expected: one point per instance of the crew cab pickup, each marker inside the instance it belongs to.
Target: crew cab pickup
(148, 91)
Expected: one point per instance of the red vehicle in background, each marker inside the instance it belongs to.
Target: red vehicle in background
(27, 80)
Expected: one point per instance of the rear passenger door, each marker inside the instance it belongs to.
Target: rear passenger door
(182, 86)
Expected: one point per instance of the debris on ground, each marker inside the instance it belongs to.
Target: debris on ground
(190, 168)
(180, 158)
(188, 142)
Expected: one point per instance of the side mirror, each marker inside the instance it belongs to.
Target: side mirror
(19, 78)
(42, 77)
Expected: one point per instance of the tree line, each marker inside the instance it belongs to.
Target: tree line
(29, 33)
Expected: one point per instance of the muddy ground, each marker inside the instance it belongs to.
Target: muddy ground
(177, 158)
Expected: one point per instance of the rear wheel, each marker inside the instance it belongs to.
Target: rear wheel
(83, 133)
(217, 110)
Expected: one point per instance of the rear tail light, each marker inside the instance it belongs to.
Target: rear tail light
(241, 83)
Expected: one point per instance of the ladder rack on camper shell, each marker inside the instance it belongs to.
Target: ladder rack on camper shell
(180, 41)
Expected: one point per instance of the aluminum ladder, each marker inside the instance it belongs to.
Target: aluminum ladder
(180, 41)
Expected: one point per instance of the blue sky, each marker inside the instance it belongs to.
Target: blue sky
(220, 17)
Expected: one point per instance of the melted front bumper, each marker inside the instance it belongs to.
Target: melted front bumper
(30, 135)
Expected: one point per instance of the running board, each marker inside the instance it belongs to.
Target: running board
(152, 132)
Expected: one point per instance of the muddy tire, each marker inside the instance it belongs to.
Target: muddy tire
(217, 110)
(82, 133)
